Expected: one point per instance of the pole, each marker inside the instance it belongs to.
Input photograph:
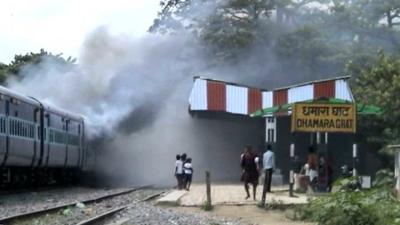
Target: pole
(208, 185)
(291, 176)
(354, 159)
(327, 160)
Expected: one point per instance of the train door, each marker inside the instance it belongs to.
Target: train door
(46, 152)
(4, 105)
(79, 147)
(65, 129)
(38, 145)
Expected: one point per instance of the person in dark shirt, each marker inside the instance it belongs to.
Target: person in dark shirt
(249, 164)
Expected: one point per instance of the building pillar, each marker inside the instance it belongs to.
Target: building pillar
(270, 129)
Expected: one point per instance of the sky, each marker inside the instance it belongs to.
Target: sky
(61, 26)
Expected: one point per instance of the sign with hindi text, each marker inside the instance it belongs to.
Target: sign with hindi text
(318, 117)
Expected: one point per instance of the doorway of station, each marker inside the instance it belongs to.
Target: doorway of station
(334, 148)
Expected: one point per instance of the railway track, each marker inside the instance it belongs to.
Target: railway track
(32, 215)
(97, 219)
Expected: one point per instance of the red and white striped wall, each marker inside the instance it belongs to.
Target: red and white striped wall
(214, 95)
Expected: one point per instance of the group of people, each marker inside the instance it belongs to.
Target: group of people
(316, 173)
(251, 168)
(183, 171)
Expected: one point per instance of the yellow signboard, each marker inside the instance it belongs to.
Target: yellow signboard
(314, 117)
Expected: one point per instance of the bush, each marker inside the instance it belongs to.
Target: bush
(372, 207)
(384, 178)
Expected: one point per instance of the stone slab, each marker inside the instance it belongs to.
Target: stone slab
(171, 198)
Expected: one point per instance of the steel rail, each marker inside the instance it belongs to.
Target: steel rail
(8, 219)
(96, 219)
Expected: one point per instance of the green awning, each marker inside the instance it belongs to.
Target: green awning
(362, 109)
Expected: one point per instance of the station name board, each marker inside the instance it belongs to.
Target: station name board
(314, 117)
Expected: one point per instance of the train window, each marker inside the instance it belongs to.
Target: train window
(2, 125)
(51, 136)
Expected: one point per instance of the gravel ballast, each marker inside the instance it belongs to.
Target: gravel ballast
(31, 201)
(146, 213)
(80, 212)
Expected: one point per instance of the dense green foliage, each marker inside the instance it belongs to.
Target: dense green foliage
(373, 207)
(352, 206)
(314, 37)
(31, 59)
(378, 83)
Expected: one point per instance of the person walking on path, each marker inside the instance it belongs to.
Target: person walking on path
(179, 171)
(249, 164)
(268, 168)
(188, 169)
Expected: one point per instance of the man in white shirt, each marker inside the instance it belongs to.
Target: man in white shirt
(268, 168)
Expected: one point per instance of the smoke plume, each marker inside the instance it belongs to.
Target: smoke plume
(133, 93)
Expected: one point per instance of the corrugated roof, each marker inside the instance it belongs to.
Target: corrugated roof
(217, 95)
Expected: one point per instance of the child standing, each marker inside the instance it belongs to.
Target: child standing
(188, 169)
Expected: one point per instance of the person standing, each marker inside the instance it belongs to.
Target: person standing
(268, 168)
(188, 170)
(250, 174)
(312, 165)
(179, 171)
(183, 159)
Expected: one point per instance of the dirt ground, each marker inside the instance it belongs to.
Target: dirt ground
(249, 214)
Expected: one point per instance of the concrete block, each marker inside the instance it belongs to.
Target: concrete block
(171, 198)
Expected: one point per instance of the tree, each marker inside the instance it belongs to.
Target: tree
(21, 61)
(225, 27)
(383, 11)
(317, 37)
(379, 84)
(3, 72)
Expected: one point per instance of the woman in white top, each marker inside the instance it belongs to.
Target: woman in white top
(188, 169)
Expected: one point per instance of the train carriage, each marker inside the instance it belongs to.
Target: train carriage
(39, 143)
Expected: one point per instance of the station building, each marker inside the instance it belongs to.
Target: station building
(229, 108)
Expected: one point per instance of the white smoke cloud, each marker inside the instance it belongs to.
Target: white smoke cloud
(116, 75)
